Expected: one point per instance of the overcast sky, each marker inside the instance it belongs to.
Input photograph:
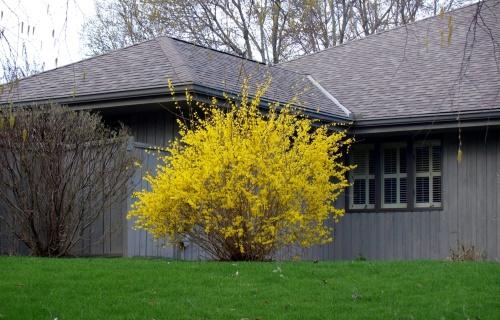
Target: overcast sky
(53, 36)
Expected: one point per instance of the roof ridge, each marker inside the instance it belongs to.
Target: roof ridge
(371, 36)
(158, 39)
(331, 97)
(179, 65)
(212, 49)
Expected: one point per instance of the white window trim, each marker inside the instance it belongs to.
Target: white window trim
(396, 175)
(366, 177)
(430, 174)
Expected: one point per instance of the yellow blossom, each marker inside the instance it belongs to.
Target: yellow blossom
(242, 183)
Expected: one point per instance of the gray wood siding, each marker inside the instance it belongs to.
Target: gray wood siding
(470, 214)
(152, 128)
(111, 234)
(103, 238)
(140, 243)
(149, 130)
(8, 243)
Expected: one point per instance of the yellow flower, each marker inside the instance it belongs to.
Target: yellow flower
(243, 183)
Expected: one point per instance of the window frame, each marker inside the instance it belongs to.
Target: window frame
(398, 175)
(366, 177)
(429, 174)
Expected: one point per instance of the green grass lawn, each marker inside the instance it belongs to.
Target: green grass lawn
(32, 288)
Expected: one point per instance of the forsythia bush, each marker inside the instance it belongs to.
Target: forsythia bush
(241, 183)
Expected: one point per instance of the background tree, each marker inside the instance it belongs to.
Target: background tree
(242, 184)
(267, 30)
(59, 170)
(15, 63)
(39, 35)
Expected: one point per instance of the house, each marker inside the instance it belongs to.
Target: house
(422, 101)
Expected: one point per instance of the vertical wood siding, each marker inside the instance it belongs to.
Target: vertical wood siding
(150, 130)
(140, 243)
(470, 214)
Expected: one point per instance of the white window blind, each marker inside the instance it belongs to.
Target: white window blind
(394, 176)
(362, 178)
(428, 184)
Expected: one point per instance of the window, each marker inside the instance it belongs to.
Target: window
(362, 178)
(394, 176)
(428, 189)
(400, 175)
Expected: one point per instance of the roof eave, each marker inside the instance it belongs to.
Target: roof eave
(430, 122)
(156, 95)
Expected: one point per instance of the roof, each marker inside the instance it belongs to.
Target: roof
(148, 65)
(414, 71)
(412, 74)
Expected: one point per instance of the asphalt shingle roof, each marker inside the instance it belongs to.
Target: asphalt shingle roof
(150, 64)
(406, 72)
(131, 68)
(415, 70)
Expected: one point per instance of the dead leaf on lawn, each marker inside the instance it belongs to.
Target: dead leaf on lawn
(152, 302)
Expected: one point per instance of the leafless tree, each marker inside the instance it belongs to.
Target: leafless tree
(59, 171)
(14, 64)
(267, 30)
(19, 39)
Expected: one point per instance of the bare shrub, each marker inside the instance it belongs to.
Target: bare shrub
(466, 253)
(60, 170)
